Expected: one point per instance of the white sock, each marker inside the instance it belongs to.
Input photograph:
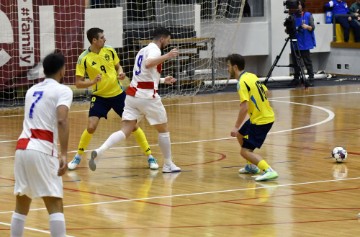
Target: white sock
(165, 146)
(57, 225)
(112, 140)
(17, 224)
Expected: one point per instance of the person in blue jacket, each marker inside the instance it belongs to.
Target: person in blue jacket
(341, 13)
(305, 36)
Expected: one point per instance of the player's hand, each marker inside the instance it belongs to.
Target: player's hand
(234, 132)
(62, 165)
(121, 76)
(169, 80)
(173, 53)
(97, 79)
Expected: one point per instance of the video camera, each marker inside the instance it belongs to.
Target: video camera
(292, 8)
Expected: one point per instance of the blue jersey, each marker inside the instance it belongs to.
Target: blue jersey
(338, 7)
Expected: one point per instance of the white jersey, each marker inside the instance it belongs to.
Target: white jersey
(40, 131)
(145, 77)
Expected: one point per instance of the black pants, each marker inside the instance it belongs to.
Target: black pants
(356, 28)
(305, 55)
(343, 21)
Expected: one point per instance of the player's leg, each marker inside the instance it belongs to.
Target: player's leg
(19, 216)
(126, 129)
(99, 107)
(249, 168)
(144, 145)
(155, 114)
(255, 139)
(118, 106)
(165, 147)
(22, 188)
(54, 206)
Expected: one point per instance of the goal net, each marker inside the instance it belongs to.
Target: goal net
(33, 28)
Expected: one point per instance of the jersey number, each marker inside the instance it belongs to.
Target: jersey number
(39, 95)
(102, 68)
(261, 91)
(138, 64)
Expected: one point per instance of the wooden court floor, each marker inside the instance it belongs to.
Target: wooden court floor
(313, 195)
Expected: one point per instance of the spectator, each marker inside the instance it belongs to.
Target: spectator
(354, 19)
(340, 12)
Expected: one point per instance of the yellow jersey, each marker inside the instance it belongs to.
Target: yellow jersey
(252, 90)
(102, 63)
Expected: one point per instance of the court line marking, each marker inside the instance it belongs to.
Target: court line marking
(195, 194)
(331, 116)
(33, 229)
(220, 101)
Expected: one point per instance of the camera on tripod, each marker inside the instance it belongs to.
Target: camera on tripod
(292, 8)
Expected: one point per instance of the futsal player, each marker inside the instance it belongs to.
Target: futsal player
(142, 99)
(101, 64)
(252, 134)
(38, 166)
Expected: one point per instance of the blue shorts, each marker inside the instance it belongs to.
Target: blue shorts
(100, 106)
(254, 135)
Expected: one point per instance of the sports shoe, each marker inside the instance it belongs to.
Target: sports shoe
(170, 168)
(267, 175)
(92, 163)
(249, 169)
(153, 163)
(74, 163)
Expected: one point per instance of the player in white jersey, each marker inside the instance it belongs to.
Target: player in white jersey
(38, 166)
(142, 99)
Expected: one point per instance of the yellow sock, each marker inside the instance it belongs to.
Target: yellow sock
(141, 140)
(84, 142)
(263, 165)
(248, 162)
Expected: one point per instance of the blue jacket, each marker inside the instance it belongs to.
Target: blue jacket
(338, 7)
(305, 38)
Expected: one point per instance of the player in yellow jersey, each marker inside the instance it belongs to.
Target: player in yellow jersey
(254, 102)
(102, 66)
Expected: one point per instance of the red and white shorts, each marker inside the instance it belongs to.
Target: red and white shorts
(152, 109)
(36, 175)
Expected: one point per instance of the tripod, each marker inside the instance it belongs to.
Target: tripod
(298, 61)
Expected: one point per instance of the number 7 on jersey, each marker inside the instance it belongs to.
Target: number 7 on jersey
(39, 95)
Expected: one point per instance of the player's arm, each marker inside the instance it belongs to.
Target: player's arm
(80, 75)
(240, 118)
(154, 61)
(82, 83)
(120, 72)
(63, 130)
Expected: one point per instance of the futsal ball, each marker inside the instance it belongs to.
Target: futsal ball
(339, 154)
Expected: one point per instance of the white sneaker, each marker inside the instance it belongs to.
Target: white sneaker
(92, 163)
(249, 169)
(170, 168)
(153, 163)
(267, 175)
(74, 163)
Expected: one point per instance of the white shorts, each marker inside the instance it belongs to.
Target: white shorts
(152, 109)
(36, 175)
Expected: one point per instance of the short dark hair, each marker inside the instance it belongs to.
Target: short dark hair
(93, 33)
(161, 32)
(302, 2)
(236, 59)
(53, 63)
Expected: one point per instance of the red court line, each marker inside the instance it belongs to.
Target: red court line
(215, 226)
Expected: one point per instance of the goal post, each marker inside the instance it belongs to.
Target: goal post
(33, 28)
